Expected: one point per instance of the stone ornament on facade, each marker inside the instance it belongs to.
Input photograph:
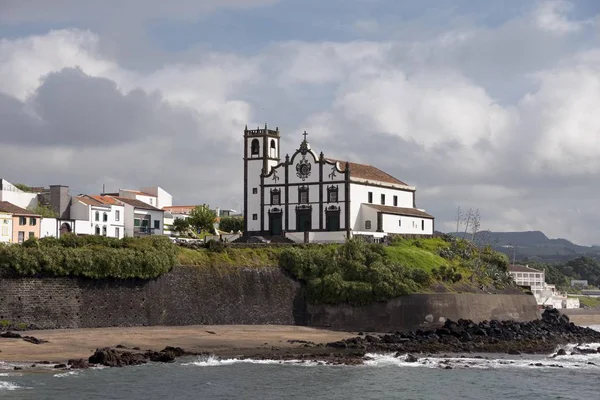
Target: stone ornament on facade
(303, 168)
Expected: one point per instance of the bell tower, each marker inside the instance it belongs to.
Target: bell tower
(261, 153)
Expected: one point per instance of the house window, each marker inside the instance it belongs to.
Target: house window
(370, 197)
(31, 235)
(383, 199)
(97, 230)
(117, 233)
(21, 237)
(104, 230)
(399, 221)
(332, 194)
(254, 191)
(32, 221)
(275, 197)
(156, 224)
(4, 230)
(151, 201)
(367, 225)
(22, 220)
(136, 222)
(422, 224)
(105, 217)
(303, 195)
(97, 216)
(117, 215)
(254, 147)
(395, 201)
(254, 217)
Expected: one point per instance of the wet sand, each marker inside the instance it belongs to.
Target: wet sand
(65, 344)
(585, 320)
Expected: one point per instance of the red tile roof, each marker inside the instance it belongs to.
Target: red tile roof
(105, 200)
(368, 172)
(10, 208)
(523, 268)
(90, 201)
(409, 212)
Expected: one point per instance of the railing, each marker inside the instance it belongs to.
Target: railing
(143, 230)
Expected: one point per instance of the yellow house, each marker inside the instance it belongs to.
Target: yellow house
(5, 227)
(25, 224)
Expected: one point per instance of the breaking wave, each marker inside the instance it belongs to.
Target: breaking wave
(213, 361)
(5, 386)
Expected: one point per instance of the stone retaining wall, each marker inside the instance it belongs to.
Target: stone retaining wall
(191, 295)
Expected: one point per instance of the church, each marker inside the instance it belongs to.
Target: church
(309, 197)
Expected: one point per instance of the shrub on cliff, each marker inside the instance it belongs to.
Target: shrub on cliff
(356, 273)
(91, 256)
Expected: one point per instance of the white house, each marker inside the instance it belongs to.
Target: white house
(545, 294)
(103, 215)
(6, 227)
(329, 199)
(14, 195)
(154, 196)
(140, 218)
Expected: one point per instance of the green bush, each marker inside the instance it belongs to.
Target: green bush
(356, 273)
(91, 256)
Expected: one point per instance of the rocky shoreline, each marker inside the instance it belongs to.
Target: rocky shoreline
(542, 336)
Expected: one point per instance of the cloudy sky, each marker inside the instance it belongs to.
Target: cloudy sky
(489, 105)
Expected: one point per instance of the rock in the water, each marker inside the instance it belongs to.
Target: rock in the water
(78, 364)
(410, 358)
(112, 358)
(57, 366)
(514, 352)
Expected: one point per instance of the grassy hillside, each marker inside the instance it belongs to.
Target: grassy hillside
(355, 272)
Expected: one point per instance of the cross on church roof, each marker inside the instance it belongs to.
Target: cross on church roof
(304, 134)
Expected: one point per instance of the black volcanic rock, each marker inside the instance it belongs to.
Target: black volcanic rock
(539, 336)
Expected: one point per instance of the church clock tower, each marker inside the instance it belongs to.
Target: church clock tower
(261, 153)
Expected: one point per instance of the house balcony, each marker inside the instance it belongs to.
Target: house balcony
(144, 231)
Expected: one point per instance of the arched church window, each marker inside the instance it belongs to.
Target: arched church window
(272, 143)
(255, 147)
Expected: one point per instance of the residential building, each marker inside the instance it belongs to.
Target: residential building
(579, 282)
(140, 218)
(526, 276)
(102, 215)
(16, 196)
(25, 224)
(544, 293)
(307, 196)
(154, 196)
(6, 227)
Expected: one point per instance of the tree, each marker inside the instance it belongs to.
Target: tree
(202, 218)
(44, 211)
(229, 224)
(180, 225)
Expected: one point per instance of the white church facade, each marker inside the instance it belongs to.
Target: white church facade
(307, 196)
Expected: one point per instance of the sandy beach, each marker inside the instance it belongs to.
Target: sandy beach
(65, 344)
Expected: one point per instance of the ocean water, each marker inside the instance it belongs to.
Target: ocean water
(383, 377)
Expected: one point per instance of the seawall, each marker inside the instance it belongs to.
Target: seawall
(193, 296)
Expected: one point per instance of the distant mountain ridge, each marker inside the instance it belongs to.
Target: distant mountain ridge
(533, 245)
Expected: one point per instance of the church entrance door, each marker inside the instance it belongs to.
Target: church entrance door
(303, 220)
(275, 224)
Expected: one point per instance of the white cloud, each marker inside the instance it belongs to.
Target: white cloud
(428, 112)
(552, 15)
